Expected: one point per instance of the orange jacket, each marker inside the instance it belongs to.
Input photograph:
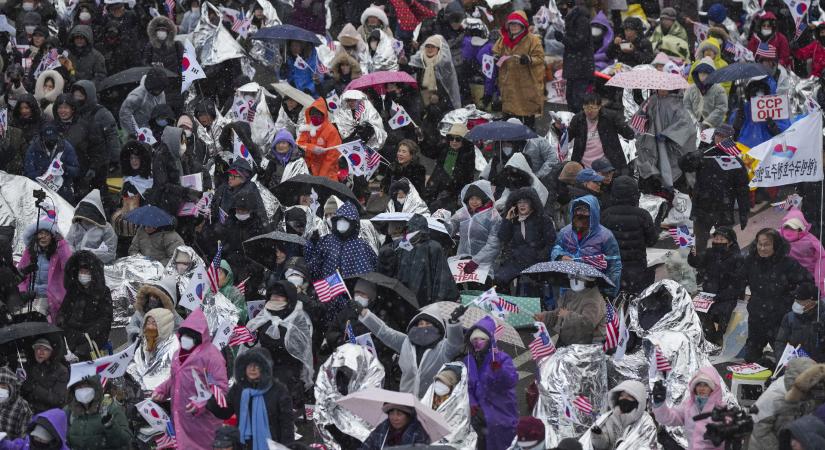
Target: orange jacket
(326, 135)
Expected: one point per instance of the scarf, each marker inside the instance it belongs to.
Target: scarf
(511, 41)
(283, 158)
(428, 81)
(256, 425)
(151, 337)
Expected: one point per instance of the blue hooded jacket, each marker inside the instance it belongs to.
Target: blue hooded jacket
(755, 133)
(302, 79)
(599, 240)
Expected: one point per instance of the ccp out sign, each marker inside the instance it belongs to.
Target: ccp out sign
(775, 107)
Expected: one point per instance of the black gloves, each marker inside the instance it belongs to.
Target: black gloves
(356, 307)
(470, 266)
(107, 418)
(457, 313)
(524, 60)
(595, 429)
(31, 268)
(659, 392)
(559, 36)
(364, 132)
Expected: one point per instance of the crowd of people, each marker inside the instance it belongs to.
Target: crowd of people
(272, 139)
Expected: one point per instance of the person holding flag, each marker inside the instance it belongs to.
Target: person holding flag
(163, 50)
(357, 119)
(579, 317)
(803, 326)
(318, 137)
(95, 421)
(48, 148)
(194, 425)
(491, 382)
(767, 33)
(239, 183)
(301, 67)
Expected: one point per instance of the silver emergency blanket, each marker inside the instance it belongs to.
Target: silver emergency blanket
(219, 312)
(413, 204)
(172, 270)
(265, 52)
(803, 94)
(262, 126)
(151, 369)
(124, 277)
(271, 203)
(17, 208)
(211, 137)
(346, 123)
(213, 43)
(634, 437)
(572, 371)
(298, 339)
(456, 409)
(654, 205)
(367, 372)
(461, 115)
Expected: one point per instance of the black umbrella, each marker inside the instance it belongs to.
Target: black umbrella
(261, 249)
(737, 71)
(286, 33)
(16, 331)
(288, 190)
(501, 131)
(130, 76)
(392, 284)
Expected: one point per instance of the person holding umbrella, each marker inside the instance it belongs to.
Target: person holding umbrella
(156, 238)
(401, 428)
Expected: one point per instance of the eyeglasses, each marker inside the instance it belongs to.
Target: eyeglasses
(236, 177)
(592, 107)
(455, 138)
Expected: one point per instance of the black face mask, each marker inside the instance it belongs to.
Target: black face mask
(718, 246)
(625, 405)
(35, 445)
(424, 336)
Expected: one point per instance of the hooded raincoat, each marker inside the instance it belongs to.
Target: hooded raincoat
(138, 106)
(521, 85)
(346, 253)
(90, 231)
(671, 135)
(750, 133)
(627, 431)
(524, 242)
(682, 414)
(282, 167)
(424, 268)
(445, 74)
(806, 248)
(600, 57)
(55, 288)
(518, 162)
(711, 44)
(205, 360)
(708, 104)
(100, 118)
(315, 139)
(53, 420)
(478, 232)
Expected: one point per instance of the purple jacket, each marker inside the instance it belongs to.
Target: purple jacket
(492, 387)
(309, 15)
(195, 431)
(53, 418)
(473, 53)
(600, 57)
(807, 250)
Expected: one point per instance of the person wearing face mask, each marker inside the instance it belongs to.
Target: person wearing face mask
(364, 294)
(103, 124)
(46, 431)
(491, 384)
(628, 424)
(130, 199)
(315, 137)
(226, 283)
(771, 274)
(87, 308)
(14, 410)
(579, 314)
(748, 132)
(342, 249)
(46, 377)
(153, 357)
(195, 158)
(90, 231)
(95, 420)
(707, 102)
(766, 32)
(803, 326)
(404, 198)
(449, 396)
(167, 192)
(191, 16)
(428, 343)
(162, 50)
(43, 265)
(602, 35)
(436, 74)
(814, 51)
(805, 247)
(88, 63)
(477, 225)
(194, 425)
(159, 294)
(704, 394)
(136, 110)
(374, 18)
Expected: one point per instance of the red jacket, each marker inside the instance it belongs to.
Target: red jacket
(816, 53)
(778, 40)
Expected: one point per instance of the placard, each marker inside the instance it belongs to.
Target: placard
(703, 301)
(457, 269)
(775, 107)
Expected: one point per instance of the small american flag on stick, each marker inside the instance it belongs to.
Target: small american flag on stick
(329, 287)
(212, 270)
(611, 328)
(583, 404)
(597, 261)
(662, 364)
(240, 335)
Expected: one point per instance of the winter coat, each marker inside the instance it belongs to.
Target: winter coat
(90, 231)
(348, 254)
(46, 99)
(751, 133)
(524, 242)
(85, 309)
(642, 52)
(709, 104)
(804, 331)
(634, 231)
(324, 164)
(53, 420)
(413, 171)
(225, 196)
(301, 79)
(491, 384)
(780, 412)
(12, 151)
(14, 412)
(682, 414)
(277, 397)
(86, 428)
(770, 280)
(166, 191)
(610, 127)
(84, 137)
(424, 268)
(807, 250)
(413, 434)
(166, 291)
(780, 43)
(276, 171)
(816, 53)
(56, 290)
(599, 241)
(522, 86)
(103, 121)
(198, 431)
(541, 156)
(585, 319)
(716, 190)
(600, 57)
(45, 384)
(88, 63)
(676, 30)
(30, 126)
(722, 273)
(809, 431)
(578, 45)
(137, 108)
(714, 45)
(167, 54)
(158, 246)
(445, 74)
(619, 425)
(312, 17)
(478, 232)
(232, 235)
(417, 374)
(38, 159)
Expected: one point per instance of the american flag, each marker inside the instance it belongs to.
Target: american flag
(541, 346)
(4, 121)
(329, 287)
(373, 159)
(170, 9)
(639, 122)
(242, 285)
(507, 306)
(662, 364)
(359, 110)
(217, 392)
(240, 25)
(241, 335)
(611, 328)
(729, 47)
(212, 270)
(681, 236)
(583, 404)
(349, 334)
(499, 332)
(167, 439)
(330, 41)
(322, 69)
(729, 147)
(597, 261)
(222, 216)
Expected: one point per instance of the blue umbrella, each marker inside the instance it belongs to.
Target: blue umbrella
(501, 131)
(737, 71)
(567, 268)
(150, 216)
(286, 33)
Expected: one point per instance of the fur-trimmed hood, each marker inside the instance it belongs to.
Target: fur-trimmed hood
(257, 356)
(165, 289)
(78, 408)
(84, 259)
(59, 85)
(158, 22)
(143, 151)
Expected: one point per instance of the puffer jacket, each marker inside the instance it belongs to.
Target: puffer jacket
(803, 330)
(85, 309)
(524, 242)
(87, 429)
(578, 45)
(89, 63)
(159, 246)
(45, 384)
(168, 54)
(101, 119)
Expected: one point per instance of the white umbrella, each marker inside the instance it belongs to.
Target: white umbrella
(286, 90)
(367, 404)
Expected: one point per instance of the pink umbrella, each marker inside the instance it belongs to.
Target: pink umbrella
(367, 404)
(647, 79)
(377, 80)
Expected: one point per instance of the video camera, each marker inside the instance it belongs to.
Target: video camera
(728, 424)
(39, 195)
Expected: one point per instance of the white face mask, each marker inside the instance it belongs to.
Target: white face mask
(374, 45)
(342, 225)
(596, 31)
(84, 279)
(84, 16)
(798, 308)
(182, 148)
(296, 280)
(243, 217)
(28, 6)
(401, 200)
(440, 388)
(4, 395)
(361, 300)
(275, 305)
(84, 395)
(766, 31)
(577, 285)
(186, 342)
(162, 35)
(30, 29)
(507, 149)
(187, 133)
